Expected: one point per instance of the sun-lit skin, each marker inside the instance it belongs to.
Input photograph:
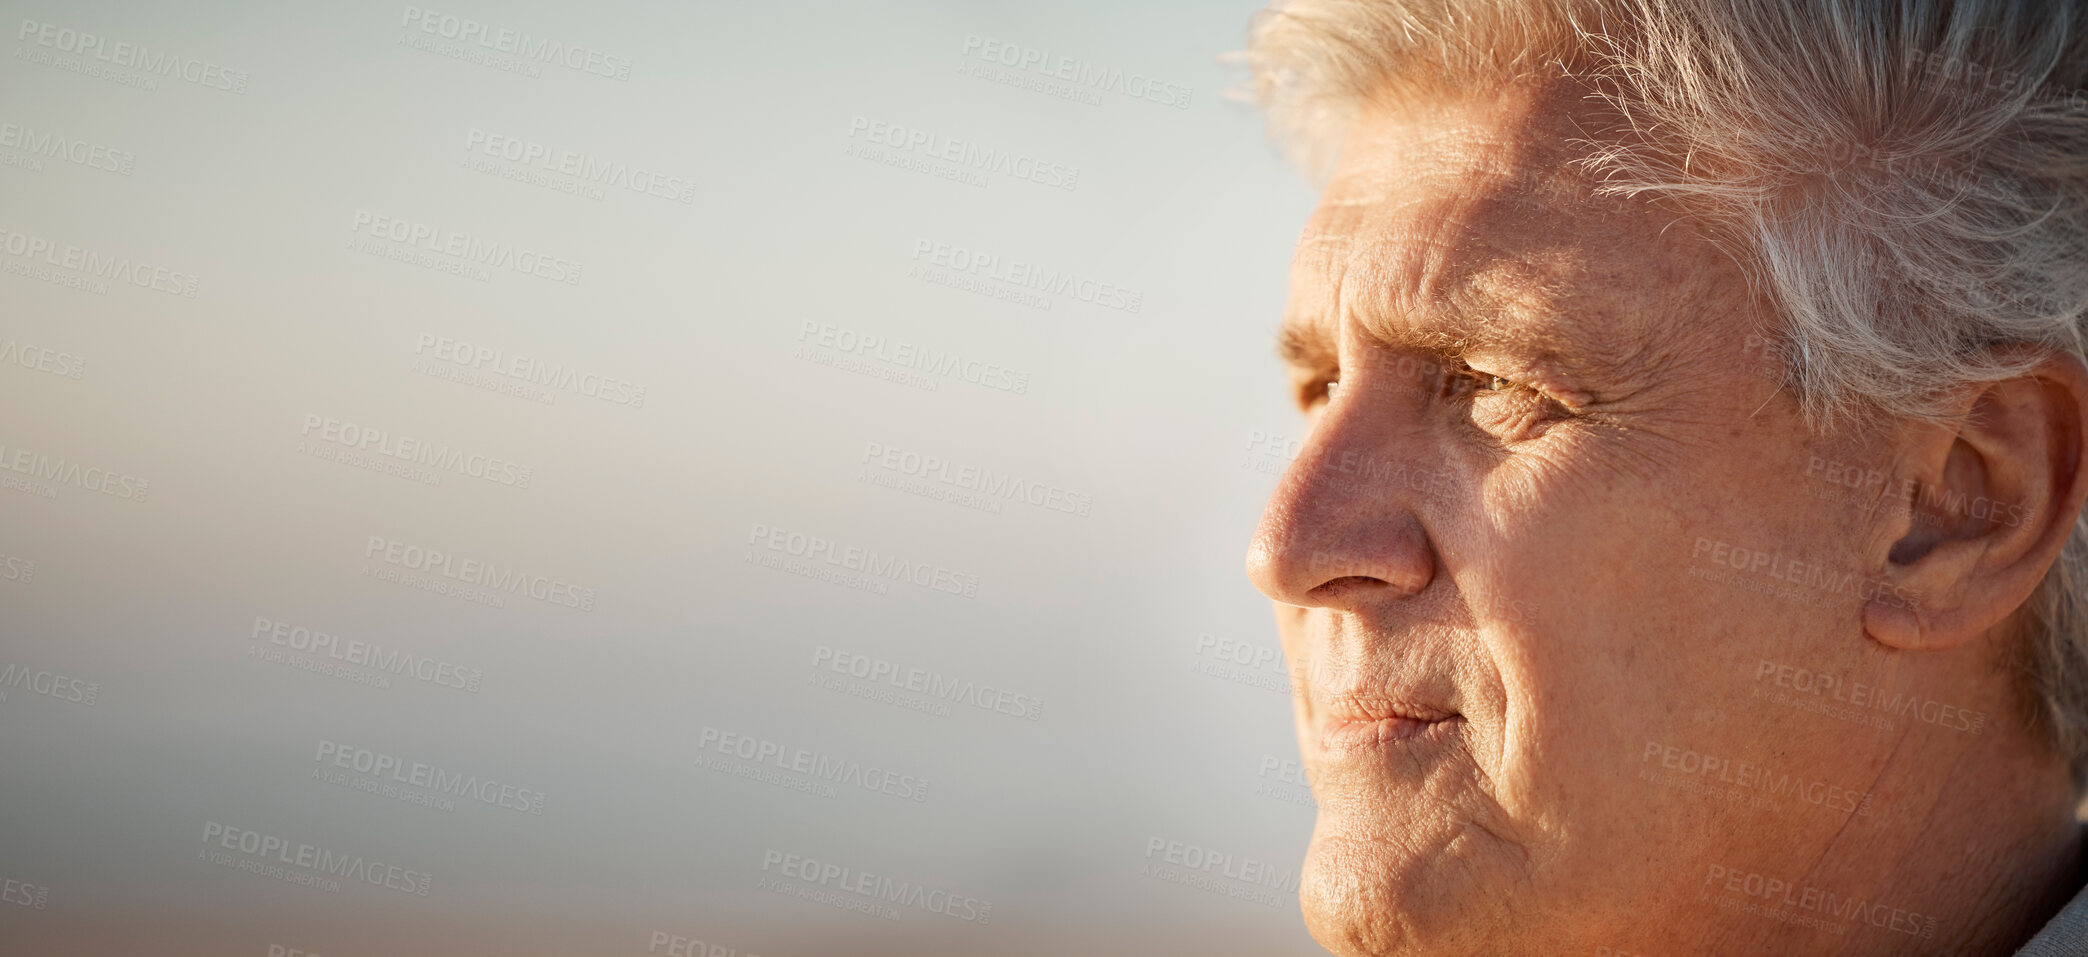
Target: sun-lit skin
(1487, 658)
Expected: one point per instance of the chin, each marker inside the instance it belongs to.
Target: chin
(1379, 889)
(1356, 898)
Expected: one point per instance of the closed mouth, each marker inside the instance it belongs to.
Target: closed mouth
(1361, 723)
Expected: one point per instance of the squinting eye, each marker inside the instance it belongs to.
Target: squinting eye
(1483, 381)
(1469, 380)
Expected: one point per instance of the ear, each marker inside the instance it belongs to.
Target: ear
(1988, 501)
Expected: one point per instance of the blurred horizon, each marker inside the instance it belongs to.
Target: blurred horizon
(586, 464)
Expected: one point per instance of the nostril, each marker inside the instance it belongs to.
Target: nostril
(1334, 588)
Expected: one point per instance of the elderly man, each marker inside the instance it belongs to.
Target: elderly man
(1743, 608)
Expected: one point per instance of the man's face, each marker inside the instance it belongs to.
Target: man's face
(1537, 552)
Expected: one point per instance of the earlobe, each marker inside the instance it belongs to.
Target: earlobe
(1893, 625)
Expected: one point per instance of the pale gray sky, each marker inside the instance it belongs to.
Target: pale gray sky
(319, 315)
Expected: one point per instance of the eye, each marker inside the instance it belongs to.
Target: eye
(1463, 381)
(1503, 406)
(1314, 390)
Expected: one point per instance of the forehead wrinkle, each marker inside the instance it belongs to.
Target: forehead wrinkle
(1493, 270)
(1318, 266)
(1434, 247)
(1464, 238)
(1461, 221)
(1425, 288)
(1393, 285)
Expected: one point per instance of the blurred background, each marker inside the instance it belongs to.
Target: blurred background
(715, 479)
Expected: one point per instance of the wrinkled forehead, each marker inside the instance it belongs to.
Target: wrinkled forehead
(1465, 219)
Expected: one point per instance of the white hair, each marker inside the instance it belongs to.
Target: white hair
(1905, 180)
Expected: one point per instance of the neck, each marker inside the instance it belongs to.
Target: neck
(1971, 847)
(1979, 833)
(1999, 854)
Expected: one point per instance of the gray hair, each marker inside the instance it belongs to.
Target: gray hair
(1905, 180)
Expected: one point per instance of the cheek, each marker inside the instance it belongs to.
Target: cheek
(1573, 705)
(1591, 622)
(1568, 570)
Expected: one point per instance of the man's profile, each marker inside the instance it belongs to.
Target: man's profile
(1747, 612)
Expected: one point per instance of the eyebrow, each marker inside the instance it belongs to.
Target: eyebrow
(1301, 346)
(1301, 341)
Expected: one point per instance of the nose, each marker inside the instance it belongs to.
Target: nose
(1340, 531)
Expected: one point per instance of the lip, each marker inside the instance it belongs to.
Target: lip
(1340, 737)
(1354, 723)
